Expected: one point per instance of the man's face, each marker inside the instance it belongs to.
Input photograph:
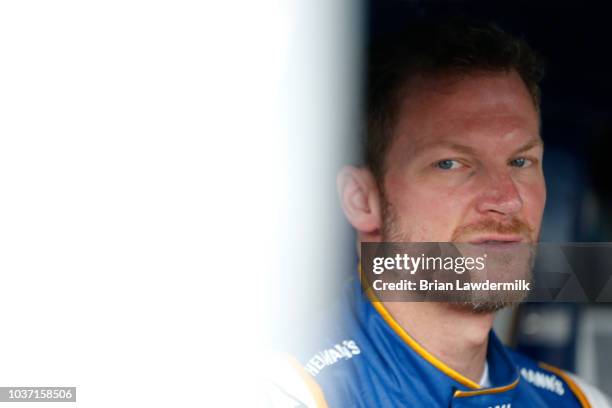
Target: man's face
(465, 164)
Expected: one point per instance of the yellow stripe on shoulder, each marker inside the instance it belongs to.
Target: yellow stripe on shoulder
(289, 382)
(570, 382)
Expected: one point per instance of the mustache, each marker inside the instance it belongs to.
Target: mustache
(514, 226)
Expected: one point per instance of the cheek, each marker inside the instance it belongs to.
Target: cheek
(534, 200)
(426, 214)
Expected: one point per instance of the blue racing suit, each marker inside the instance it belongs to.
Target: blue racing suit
(363, 358)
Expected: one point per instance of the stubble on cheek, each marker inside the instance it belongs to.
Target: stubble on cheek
(415, 209)
(410, 226)
(391, 230)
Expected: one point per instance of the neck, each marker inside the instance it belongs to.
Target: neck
(455, 336)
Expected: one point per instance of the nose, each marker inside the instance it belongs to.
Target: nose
(500, 197)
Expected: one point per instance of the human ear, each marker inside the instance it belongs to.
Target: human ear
(360, 199)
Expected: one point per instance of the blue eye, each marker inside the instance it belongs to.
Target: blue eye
(520, 162)
(447, 164)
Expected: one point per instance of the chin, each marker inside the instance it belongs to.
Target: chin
(481, 308)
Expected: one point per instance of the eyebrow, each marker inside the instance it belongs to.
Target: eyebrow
(470, 150)
(530, 145)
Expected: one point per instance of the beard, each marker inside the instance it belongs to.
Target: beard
(517, 265)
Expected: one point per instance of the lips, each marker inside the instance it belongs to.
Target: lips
(496, 240)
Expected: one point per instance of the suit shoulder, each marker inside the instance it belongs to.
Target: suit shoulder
(551, 379)
(287, 384)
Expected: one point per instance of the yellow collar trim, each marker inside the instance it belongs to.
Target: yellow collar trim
(497, 390)
(412, 343)
(416, 346)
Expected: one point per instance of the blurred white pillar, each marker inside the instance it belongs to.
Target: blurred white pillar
(288, 86)
(166, 177)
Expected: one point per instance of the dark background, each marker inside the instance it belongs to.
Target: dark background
(575, 40)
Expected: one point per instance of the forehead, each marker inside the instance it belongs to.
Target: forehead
(482, 108)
